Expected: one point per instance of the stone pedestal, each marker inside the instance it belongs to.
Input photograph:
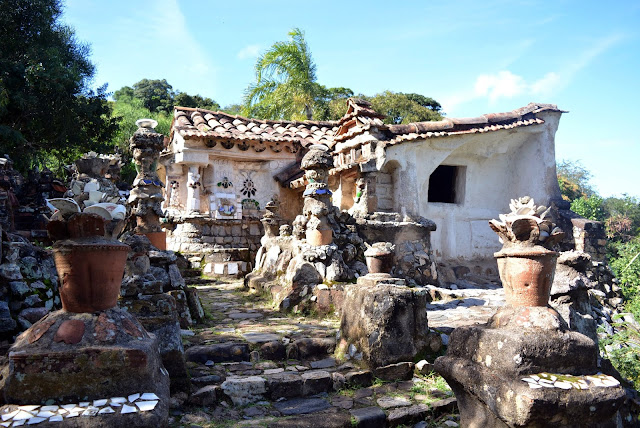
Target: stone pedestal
(526, 369)
(71, 358)
(387, 323)
(373, 279)
(143, 296)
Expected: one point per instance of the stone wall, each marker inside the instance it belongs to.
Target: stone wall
(201, 235)
(588, 236)
(28, 286)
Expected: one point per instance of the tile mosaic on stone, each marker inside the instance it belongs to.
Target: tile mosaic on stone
(34, 414)
(561, 381)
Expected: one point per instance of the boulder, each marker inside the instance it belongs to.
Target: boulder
(388, 323)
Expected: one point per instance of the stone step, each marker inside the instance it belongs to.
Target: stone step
(320, 393)
(191, 273)
(232, 268)
(265, 346)
(200, 281)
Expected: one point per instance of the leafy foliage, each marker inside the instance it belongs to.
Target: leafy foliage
(47, 111)
(128, 110)
(589, 207)
(405, 108)
(626, 266)
(158, 96)
(286, 85)
(574, 178)
(623, 349)
(624, 217)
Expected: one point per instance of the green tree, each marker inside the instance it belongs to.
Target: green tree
(47, 111)
(591, 207)
(624, 217)
(156, 95)
(128, 110)
(234, 109)
(185, 100)
(334, 103)
(285, 86)
(573, 179)
(405, 108)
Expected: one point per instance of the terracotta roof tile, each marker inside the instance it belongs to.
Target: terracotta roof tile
(360, 118)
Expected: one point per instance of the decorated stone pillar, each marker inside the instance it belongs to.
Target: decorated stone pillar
(146, 196)
(366, 200)
(317, 196)
(193, 189)
(270, 221)
(525, 367)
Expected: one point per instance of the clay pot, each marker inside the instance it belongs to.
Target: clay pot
(319, 237)
(158, 239)
(379, 263)
(527, 275)
(90, 271)
(95, 167)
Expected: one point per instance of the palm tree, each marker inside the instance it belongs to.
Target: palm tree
(285, 86)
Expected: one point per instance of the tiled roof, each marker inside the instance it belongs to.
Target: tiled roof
(525, 116)
(359, 118)
(199, 123)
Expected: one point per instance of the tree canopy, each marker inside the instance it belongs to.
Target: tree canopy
(47, 110)
(285, 86)
(573, 179)
(405, 108)
(158, 96)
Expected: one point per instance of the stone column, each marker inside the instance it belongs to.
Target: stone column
(317, 196)
(270, 221)
(193, 189)
(146, 196)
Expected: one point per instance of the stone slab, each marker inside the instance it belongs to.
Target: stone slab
(298, 406)
(219, 352)
(369, 417)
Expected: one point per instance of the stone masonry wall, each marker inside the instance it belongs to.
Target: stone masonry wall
(197, 235)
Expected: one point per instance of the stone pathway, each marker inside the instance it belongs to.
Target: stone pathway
(253, 366)
(464, 305)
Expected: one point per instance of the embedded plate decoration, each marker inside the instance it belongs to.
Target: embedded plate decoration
(32, 415)
(560, 381)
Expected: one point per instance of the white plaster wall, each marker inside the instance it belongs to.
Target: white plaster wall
(217, 162)
(500, 165)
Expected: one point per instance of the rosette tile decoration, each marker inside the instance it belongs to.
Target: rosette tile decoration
(146, 197)
(526, 262)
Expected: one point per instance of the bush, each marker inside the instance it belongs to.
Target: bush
(625, 263)
(591, 207)
(623, 348)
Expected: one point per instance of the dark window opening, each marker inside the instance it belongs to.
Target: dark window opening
(445, 184)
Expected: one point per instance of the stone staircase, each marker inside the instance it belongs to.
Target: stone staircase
(251, 365)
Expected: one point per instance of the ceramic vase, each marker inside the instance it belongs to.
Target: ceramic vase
(90, 272)
(527, 275)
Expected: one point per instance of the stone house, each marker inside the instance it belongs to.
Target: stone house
(221, 170)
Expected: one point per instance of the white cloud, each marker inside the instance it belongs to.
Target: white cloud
(157, 30)
(505, 84)
(249, 51)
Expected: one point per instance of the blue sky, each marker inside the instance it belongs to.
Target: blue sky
(473, 57)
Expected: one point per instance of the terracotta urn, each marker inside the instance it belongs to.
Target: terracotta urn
(527, 274)
(319, 237)
(90, 271)
(381, 263)
(158, 239)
